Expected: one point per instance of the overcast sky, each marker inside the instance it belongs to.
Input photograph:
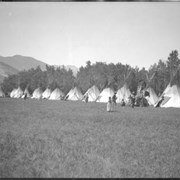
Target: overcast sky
(71, 33)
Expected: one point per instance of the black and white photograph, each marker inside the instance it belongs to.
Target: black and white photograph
(90, 89)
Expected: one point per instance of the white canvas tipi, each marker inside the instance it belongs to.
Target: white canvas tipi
(123, 93)
(172, 94)
(152, 98)
(57, 94)
(1, 93)
(105, 94)
(12, 93)
(37, 94)
(93, 93)
(18, 93)
(167, 89)
(26, 92)
(74, 95)
(46, 94)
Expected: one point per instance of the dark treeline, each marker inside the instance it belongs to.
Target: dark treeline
(100, 74)
(34, 78)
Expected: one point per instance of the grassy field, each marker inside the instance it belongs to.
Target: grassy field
(75, 139)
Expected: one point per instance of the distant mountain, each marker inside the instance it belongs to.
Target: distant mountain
(22, 62)
(6, 70)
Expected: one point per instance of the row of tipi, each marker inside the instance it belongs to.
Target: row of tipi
(171, 94)
(94, 95)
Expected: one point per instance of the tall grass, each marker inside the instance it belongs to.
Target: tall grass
(75, 139)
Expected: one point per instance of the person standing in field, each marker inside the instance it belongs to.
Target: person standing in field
(86, 98)
(114, 99)
(25, 96)
(109, 105)
(133, 100)
(159, 103)
(123, 103)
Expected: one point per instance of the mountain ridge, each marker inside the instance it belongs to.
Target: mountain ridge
(18, 63)
(21, 63)
(6, 70)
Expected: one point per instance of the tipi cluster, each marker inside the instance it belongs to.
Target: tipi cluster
(171, 95)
